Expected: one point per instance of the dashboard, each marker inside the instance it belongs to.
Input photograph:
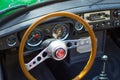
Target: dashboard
(64, 28)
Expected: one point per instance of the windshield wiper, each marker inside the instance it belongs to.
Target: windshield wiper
(12, 8)
(96, 2)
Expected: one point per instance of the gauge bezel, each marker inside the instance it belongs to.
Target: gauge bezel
(78, 24)
(37, 44)
(63, 25)
(14, 43)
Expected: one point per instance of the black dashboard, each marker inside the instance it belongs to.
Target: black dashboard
(102, 20)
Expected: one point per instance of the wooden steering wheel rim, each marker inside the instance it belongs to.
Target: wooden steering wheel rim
(56, 14)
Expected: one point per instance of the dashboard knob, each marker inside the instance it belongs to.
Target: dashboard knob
(116, 23)
(97, 26)
(115, 13)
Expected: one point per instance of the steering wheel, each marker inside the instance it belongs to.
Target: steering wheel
(56, 48)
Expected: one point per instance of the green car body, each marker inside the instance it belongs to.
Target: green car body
(7, 4)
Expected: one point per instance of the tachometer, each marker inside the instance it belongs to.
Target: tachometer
(35, 38)
(60, 31)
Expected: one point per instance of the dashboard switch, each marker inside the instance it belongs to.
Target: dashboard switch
(116, 23)
(116, 13)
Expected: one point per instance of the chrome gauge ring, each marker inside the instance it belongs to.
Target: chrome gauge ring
(12, 40)
(78, 26)
(35, 38)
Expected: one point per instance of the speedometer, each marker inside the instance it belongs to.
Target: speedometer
(60, 31)
(35, 38)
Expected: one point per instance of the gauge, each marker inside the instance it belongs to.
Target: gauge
(11, 40)
(35, 38)
(78, 26)
(60, 31)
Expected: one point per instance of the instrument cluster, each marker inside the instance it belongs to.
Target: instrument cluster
(43, 32)
(37, 36)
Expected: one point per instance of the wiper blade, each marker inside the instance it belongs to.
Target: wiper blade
(96, 2)
(12, 8)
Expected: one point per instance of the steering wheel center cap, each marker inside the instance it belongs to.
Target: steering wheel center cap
(60, 53)
(57, 49)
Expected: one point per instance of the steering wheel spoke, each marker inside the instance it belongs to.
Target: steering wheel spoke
(42, 56)
(77, 42)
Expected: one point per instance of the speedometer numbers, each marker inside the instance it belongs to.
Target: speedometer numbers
(60, 31)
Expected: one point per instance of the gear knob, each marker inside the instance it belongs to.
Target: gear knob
(105, 57)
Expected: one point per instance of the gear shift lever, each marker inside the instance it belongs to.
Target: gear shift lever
(103, 75)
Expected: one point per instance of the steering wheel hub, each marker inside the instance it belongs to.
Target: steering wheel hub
(57, 49)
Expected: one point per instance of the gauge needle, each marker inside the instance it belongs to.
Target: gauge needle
(36, 36)
(31, 38)
(59, 32)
